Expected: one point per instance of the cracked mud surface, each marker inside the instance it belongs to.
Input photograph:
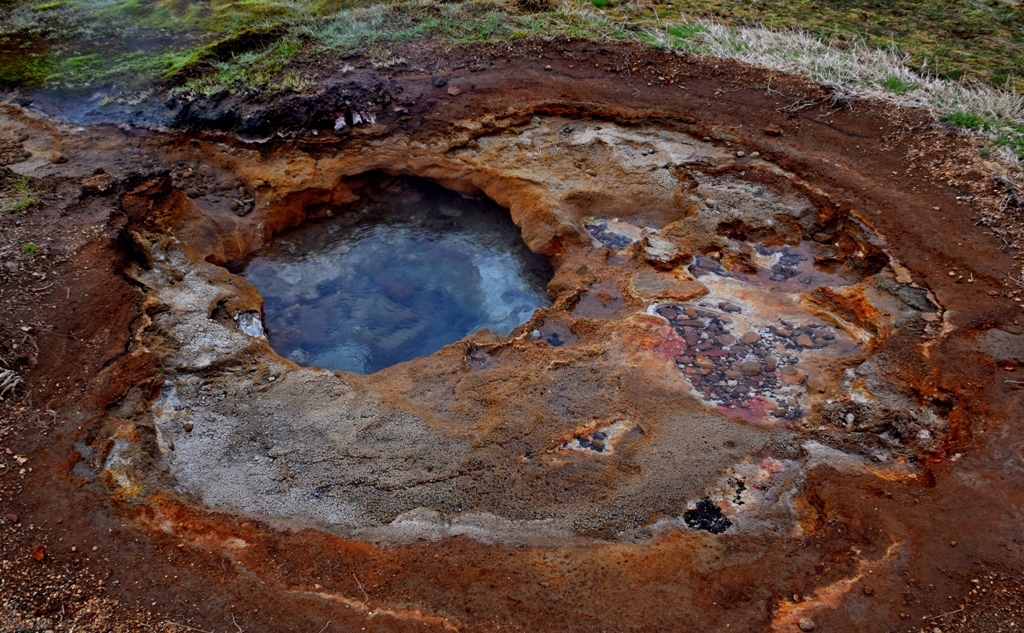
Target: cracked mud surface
(759, 395)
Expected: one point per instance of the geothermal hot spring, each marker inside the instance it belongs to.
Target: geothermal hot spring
(415, 268)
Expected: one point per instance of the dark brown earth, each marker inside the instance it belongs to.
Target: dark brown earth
(941, 550)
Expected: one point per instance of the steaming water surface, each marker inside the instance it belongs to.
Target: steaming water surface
(414, 270)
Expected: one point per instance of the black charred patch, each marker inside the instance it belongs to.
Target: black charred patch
(707, 517)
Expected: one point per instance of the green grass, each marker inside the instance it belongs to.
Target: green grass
(23, 194)
(897, 85)
(248, 46)
(1007, 135)
(30, 249)
(965, 119)
(90, 39)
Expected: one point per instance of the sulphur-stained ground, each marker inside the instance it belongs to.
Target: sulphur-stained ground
(777, 388)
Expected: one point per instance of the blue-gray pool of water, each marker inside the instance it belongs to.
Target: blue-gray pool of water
(411, 270)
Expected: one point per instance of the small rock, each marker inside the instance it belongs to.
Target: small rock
(57, 158)
(547, 68)
(804, 341)
(661, 253)
(751, 368)
(806, 624)
(793, 376)
(772, 130)
(740, 154)
(39, 552)
(454, 91)
(98, 184)
(704, 361)
(234, 205)
(750, 338)
(13, 518)
(188, 426)
(755, 154)
(868, 590)
(816, 384)
(440, 82)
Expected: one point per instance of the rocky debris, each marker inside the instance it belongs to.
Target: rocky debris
(202, 182)
(707, 517)
(12, 151)
(652, 285)
(602, 439)
(772, 130)
(39, 552)
(11, 517)
(98, 185)
(661, 253)
(806, 624)
(613, 234)
(57, 158)
(758, 370)
(454, 91)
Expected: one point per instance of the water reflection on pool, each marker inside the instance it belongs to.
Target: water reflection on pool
(416, 268)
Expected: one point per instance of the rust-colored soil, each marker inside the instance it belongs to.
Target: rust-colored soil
(932, 541)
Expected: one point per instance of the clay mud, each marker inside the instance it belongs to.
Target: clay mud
(694, 358)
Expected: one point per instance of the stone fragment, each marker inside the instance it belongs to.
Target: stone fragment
(39, 552)
(454, 91)
(652, 285)
(806, 624)
(704, 361)
(804, 341)
(98, 184)
(750, 338)
(661, 253)
(440, 82)
(751, 368)
(793, 376)
(772, 130)
(816, 384)
(57, 158)
(13, 518)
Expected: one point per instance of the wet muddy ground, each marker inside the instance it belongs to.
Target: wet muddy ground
(776, 386)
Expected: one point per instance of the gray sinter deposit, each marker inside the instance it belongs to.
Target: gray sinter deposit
(720, 330)
(414, 269)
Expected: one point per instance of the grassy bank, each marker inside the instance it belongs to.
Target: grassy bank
(955, 56)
